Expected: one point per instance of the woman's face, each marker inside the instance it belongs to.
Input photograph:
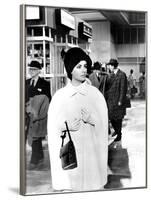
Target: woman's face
(80, 71)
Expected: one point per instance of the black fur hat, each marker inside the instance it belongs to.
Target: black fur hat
(72, 57)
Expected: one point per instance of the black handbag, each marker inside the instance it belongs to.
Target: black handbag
(127, 102)
(134, 90)
(67, 152)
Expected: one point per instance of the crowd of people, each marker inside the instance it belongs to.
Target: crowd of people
(93, 100)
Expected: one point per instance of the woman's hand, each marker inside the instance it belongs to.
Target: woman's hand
(86, 116)
(72, 125)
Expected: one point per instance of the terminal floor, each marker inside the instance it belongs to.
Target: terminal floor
(133, 140)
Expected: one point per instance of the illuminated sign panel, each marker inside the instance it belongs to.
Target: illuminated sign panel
(32, 12)
(67, 19)
(64, 18)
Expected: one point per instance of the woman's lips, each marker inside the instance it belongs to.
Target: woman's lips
(83, 76)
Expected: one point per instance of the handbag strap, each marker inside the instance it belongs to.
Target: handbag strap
(64, 135)
(68, 131)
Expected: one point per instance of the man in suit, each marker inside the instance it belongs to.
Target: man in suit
(116, 97)
(38, 98)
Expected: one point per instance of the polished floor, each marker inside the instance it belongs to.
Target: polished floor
(129, 173)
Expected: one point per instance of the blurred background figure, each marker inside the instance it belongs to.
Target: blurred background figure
(103, 79)
(142, 86)
(132, 90)
(37, 103)
(95, 75)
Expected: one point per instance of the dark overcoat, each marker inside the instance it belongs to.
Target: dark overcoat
(38, 117)
(37, 104)
(116, 92)
(94, 80)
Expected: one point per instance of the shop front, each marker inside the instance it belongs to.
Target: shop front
(54, 30)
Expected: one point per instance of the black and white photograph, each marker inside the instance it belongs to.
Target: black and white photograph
(83, 99)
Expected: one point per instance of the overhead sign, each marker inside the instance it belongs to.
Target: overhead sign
(85, 30)
(65, 18)
(32, 12)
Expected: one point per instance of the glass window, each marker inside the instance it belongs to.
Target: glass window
(133, 35)
(120, 36)
(38, 50)
(58, 38)
(29, 49)
(114, 33)
(47, 31)
(69, 38)
(74, 40)
(127, 36)
(47, 47)
(29, 32)
(141, 35)
(38, 31)
(47, 50)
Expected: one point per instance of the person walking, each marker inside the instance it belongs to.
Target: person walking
(115, 97)
(38, 98)
(131, 84)
(85, 110)
(142, 85)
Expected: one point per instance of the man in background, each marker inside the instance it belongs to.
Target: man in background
(38, 98)
(142, 85)
(131, 84)
(116, 96)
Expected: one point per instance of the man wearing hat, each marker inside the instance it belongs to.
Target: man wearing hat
(37, 103)
(116, 96)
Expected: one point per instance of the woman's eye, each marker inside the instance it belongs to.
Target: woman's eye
(81, 65)
(78, 66)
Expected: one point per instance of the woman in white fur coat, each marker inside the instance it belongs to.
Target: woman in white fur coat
(84, 108)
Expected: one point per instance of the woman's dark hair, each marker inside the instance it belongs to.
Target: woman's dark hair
(72, 57)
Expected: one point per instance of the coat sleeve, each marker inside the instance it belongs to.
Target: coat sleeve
(123, 87)
(39, 104)
(46, 89)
